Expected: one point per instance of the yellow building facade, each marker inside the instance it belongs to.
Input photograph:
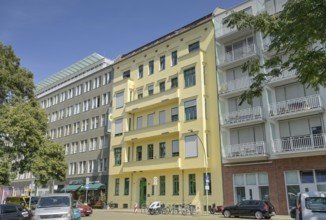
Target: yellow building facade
(165, 128)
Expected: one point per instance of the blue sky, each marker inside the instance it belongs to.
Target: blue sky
(50, 35)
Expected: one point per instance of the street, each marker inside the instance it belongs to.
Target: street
(127, 214)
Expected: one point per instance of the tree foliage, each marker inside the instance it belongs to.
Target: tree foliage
(23, 123)
(299, 32)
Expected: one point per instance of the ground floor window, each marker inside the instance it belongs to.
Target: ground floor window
(250, 186)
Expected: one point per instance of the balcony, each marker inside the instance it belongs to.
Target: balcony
(300, 144)
(287, 76)
(235, 87)
(225, 34)
(243, 117)
(158, 99)
(152, 165)
(246, 151)
(296, 107)
(152, 131)
(237, 56)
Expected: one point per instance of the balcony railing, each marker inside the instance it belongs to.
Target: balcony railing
(304, 143)
(243, 115)
(237, 84)
(238, 54)
(245, 150)
(284, 75)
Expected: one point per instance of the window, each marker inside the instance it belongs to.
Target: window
(150, 120)
(162, 117)
(150, 90)
(126, 74)
(175, 148)
(191, 110)
(117, 156)
(119, 99)
(150, 152)
(162, 150)
(117, 186)
(139, 153)
(162, 185)
(162, 86)
(175, 185)
(140, 71)
(207, 183)
(192, 184)
(174, 82)
(174, 58)
(139, 122)
(162, 62)
(193, 47)
(151, 67)
(191, 146)
(118, 127)
(140, 93)
(126, 190)
(190, 77)
(174, 114)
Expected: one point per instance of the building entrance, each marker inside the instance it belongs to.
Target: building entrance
(142, 191)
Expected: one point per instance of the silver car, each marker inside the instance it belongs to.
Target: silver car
(54, 206)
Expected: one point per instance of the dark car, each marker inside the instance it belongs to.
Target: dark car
(14, 212)
(85, 210)
(254, 208)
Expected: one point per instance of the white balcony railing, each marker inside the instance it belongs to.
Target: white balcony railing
(245, 150)
(300, 143)
(236, 84)
(243, 115)
(295, 105)
(284, 75)
(239, 53)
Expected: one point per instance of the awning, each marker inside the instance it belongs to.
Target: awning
(93, 186)
(71, 188)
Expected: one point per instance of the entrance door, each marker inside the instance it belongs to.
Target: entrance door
(142, 191)
(252, 192)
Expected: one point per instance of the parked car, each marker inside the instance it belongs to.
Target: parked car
(23, 200)
(54, 206)
(155, 208)
(77, 214)
(85, 210)
(310, 206)
(254, 208)
(14, 212)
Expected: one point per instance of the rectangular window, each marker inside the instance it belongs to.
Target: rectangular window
(117, 186)
(175, 185)
(162, 86)
(139, 153)
(209, 183)
(118, 127)
(162, 185)
(162, 149)
(150, 120)
(117, 156)
(192, 184)
(150, 151)
(175, 148)
(174, 82)
(162, 117)
(174, 114)
(174, 58)
(193, 47)
(139, 122)
(191, 146)
(151, 67)
(126, 190)
(150, 90)
(140, 71)
(126, 74)
(191, 110)
(190, 77)
(140, 93)
(119, 99)
(162, 62)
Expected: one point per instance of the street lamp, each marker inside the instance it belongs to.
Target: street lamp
(206, 165)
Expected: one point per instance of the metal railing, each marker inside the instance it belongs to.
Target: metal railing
(285, 74)
(234, 55)
(300, 143)
(243, 115)
(236, 84)
(245, 150)
(295, 105)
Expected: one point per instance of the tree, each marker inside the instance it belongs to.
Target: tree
(299, 32)
(23, 123)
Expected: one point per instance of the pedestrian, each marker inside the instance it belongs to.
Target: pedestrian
(135, 207)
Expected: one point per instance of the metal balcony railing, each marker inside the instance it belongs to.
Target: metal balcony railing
(245, 150)
(243, 115)
(236, 84)
(239, 53)
(295, 105)
(300, 143)
(284, 75)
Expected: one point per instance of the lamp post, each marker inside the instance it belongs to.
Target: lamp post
(206, 165)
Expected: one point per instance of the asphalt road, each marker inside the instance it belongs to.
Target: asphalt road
(120, 214)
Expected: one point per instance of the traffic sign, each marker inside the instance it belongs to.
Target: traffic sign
(207, 178)
(155, 180)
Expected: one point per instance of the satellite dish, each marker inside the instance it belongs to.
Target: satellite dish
(110, 117)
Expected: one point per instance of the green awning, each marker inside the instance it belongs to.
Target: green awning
(94, 186)
(71, 188)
